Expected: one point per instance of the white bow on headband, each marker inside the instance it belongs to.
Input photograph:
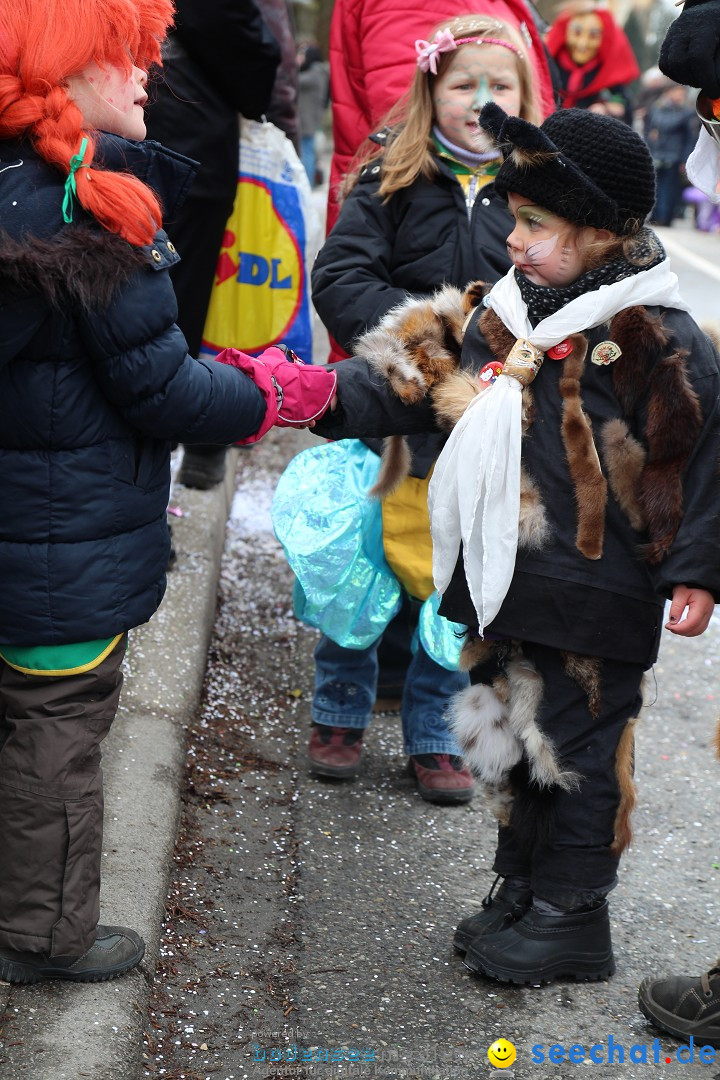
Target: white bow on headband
(427, 52)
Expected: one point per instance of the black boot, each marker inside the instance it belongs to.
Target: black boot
(202, 466)
(498, 912)
(539, 948)
(684, 1006)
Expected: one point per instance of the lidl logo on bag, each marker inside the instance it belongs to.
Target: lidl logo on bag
(260, 294)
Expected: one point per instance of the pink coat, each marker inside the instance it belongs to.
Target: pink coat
(372, 62)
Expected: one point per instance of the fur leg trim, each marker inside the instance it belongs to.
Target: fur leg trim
(499, 801)
(475, 651)
(624, 770)
(583, 461)
(585, 670)
(526, 693)
(624, 460)
(479, 722)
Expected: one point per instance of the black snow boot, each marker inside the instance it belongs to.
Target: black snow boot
(498, 911)
(539, 948)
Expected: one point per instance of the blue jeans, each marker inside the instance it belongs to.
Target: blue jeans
(669, 189)
(345, 681)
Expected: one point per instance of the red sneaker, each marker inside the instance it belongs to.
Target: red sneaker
(442, 778)
(335, 751)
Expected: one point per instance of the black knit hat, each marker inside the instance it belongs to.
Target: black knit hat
(586, 167)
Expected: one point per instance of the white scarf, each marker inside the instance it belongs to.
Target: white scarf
(474, 495)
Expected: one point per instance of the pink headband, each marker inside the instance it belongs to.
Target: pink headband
(428, 52)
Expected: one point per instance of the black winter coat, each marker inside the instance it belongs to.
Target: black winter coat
(95, 387)
(610, 607)
(379, 254)
(219, 61)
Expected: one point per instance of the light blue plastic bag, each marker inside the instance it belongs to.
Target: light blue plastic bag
(332, 536)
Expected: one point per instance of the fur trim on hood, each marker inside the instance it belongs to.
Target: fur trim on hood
(79, 266)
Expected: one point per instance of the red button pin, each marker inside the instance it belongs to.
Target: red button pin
(560, 351)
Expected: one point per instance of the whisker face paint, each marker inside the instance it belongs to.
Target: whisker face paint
(539, 252)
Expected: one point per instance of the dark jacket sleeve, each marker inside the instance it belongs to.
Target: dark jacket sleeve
(352, 277)
(694, 558)
(142, 366)
(368, 408)
(232, 45)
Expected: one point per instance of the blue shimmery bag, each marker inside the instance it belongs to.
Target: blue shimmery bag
(331, 533)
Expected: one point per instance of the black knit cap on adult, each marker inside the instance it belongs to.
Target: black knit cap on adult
(585, 167)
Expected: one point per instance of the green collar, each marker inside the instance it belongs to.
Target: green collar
(486, 168)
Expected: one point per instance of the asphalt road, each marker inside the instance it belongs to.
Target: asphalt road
(314, 915)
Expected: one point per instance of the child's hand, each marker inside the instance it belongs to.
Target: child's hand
(699, 604)
(296, 394)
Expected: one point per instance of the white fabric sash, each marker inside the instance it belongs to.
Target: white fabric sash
(474, 494)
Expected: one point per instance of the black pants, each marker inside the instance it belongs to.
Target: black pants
(562, 840)
(51, 804)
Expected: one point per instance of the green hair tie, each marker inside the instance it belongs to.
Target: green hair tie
(76, 162)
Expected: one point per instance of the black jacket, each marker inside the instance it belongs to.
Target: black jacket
(95, 387)
(219, 61)
(610, 607)
(380, 253)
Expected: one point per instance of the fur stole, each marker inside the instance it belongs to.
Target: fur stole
(417, 347)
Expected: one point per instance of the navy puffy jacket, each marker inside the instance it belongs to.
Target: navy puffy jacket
(95, 387)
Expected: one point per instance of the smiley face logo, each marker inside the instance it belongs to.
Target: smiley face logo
(502, 1054)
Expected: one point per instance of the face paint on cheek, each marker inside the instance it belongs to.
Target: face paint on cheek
(113, 88)
(537, 253)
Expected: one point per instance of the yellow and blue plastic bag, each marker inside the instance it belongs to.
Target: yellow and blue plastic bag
(260, 296)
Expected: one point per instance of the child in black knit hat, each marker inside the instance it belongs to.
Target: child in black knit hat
(577, 491)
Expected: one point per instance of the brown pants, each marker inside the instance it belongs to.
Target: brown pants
(51, 804)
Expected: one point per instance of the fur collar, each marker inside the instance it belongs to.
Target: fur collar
(82, 265)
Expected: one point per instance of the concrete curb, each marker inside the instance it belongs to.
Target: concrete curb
(57, 1031)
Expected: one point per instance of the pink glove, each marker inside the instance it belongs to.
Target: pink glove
(295, 393)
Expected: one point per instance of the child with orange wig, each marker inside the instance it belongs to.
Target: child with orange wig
(95, 387)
